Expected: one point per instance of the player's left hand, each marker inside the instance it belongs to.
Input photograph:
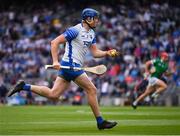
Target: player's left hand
(113, 53)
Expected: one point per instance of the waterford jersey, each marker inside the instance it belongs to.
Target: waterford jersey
(160, 67)
(78, 42)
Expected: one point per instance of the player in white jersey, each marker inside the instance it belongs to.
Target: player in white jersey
(78, 39)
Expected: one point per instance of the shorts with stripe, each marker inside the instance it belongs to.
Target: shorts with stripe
(69, 74)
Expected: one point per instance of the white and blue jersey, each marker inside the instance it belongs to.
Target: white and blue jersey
(78, 42)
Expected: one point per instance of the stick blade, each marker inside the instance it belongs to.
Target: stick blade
(99, 70)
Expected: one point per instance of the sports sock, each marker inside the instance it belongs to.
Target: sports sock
(27, 87)
(155, 95)
(99, 120)
(135, 103)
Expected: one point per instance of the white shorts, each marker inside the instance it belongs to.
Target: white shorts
(152, 81)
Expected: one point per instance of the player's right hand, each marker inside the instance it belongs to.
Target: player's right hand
(56, 65)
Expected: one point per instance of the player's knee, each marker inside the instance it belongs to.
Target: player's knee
(52, 42)
(92, 91)
(54, 97)
(146, 93)
(165, 86)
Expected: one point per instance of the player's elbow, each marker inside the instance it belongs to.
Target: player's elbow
(148, 63)
(53, 42)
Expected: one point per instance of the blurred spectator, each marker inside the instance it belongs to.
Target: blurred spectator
(3, 92)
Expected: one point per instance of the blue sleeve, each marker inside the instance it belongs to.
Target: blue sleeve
(94, 41)
(70, 33)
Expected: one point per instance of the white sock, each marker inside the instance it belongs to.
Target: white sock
(135, 103)
(155, 95)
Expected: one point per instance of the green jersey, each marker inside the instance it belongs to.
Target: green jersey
(160, 67)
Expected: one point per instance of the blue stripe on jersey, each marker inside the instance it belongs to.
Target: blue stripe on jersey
(70, 53)
(71, 34)
(94, 41)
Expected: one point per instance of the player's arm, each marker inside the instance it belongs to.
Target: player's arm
(97, 53)
(68, 35)
(54, 49)
(147, 66)
(149, 69)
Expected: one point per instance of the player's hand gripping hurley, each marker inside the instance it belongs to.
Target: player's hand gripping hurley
(100, 69)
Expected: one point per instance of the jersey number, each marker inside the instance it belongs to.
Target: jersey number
(86, 43)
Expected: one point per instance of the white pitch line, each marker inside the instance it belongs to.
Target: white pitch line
(87, 135)
(110, 113)
(120, 122)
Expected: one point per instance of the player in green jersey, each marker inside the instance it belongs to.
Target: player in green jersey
(153, 75)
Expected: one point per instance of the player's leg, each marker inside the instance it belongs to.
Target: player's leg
(60, 85)
(161, 86)
(84, 82)
(148, 90)
(91, 91)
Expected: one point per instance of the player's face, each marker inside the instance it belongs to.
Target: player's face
(94, 22)
(165, 59)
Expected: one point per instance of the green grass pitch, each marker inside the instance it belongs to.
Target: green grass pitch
(79, 120)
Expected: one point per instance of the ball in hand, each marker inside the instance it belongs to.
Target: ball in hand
(113, 53)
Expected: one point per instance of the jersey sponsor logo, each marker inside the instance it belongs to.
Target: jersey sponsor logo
(83, 36)
(86, 36)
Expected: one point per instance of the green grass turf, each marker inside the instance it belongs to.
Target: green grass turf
(79, 120)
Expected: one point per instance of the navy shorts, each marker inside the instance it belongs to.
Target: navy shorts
(69, 74)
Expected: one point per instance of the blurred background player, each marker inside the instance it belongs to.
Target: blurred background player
(78, 40)
(154, 71)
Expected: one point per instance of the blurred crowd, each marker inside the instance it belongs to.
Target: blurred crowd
(139, 30)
